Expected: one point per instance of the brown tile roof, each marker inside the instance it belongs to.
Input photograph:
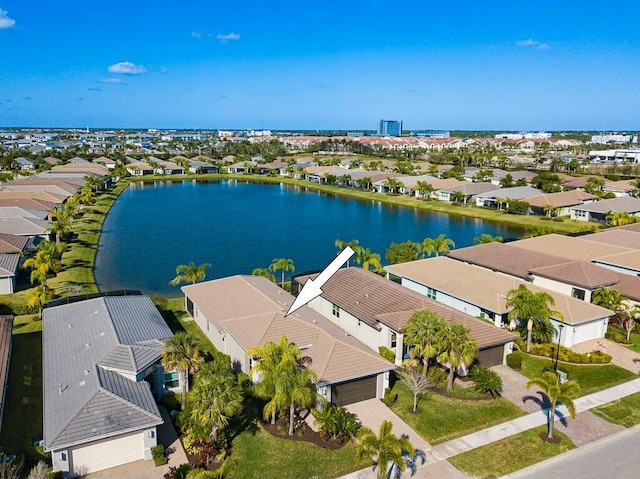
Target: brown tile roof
(505, 257)
(631, 227)
(12, 243)
(374, 299)
(567, 247)
(251, 309)
(628, 260)
(33, 195)
(628, 286)
(32, 204)
(487, 289)
(561, 199)
(63, 185)
(576, 182)
(617, 237)
(579, 273)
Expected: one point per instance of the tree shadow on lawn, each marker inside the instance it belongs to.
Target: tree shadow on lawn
(172, 321)
(247, 421)
(545, 405)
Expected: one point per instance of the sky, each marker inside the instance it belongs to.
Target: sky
(453, 65)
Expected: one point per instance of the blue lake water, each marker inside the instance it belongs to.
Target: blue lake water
(238, 226)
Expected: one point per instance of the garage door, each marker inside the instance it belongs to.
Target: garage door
(354, 391)
(108, 453)
(491, 356)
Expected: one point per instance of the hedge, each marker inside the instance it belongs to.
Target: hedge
(157, 454)
(548, 350)
(514, 361)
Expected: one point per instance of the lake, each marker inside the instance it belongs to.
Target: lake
(238, 226)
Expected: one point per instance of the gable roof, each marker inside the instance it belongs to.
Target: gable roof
(251, 309)
(9, 264)
(561, 199)
(30, 203)
(23, 226)
(488, 289)
(12, 243)
(374, 299)
(515, 193)
(83, 399)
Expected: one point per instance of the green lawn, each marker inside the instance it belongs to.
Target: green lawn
(635, 337)
(510, 454)
(22, 420)
(261, 455)
(441, 418)
(624, 412)
(590, 378)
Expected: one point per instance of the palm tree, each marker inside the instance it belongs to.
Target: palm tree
(353, 244)
(265, 273)
(61, 227)
(557, 392)
(487, 238)
(458, 349)
(41, 264)
(216, 398)
(607, 298)
(282, 264)
(367, 258)
(38, 299)
(393, 184)
(424, 189)
(383, 448)
(190, 273)
(531, 307)
(182, 353)
(299, 388)
(421, 336)
(438, 245)
(366, 182)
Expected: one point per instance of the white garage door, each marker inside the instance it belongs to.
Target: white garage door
(585, 332)
(108, 453)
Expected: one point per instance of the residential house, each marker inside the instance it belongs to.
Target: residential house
(201, 167)
(102, 376)
(480, 292)
(25, 164)
(9, 264)
(139, 168)
(31, 227)
(6, 328)
(621, 188)
(167, 167)
(375, 311)
(242, 167)
(598, 211)
(242, 312)
(490, 199)
(466, 189)
(559, 204)
(14, 244)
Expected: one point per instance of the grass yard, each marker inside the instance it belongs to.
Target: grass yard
(590, 378)
(635, 337)
(624, 412)
(510, 454)
(441, 418)
(262, 455)
(22, 421)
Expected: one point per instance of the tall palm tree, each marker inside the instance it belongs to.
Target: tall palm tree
(190, 273)
(607, 298)
(61, 227)
(353, 244)
(383, 448)
(265, 273)
(216, 398)
(366, 258)
(457, 349)
(182, 353)
(38, 299)
(485, 238)
(424, 189)
(421, 336)
(282, 264)
(557, 392)
(393, 184)
(298, 387)
(531, 307)
(441, 244)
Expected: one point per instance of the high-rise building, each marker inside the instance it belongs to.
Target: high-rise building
(390, 128)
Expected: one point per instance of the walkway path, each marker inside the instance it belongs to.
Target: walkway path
(621, 355)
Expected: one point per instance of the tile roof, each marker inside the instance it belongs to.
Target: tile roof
(505, 257)
(628, 286)
(83, 401)
(29, 203)
(12, 243)
(570, 248)
(626, 238)
(579, 273)
(36, 195)
(561, 199)
(251, 309)
(374, 299)
(18, 212)
(627, 260)
(470, 188)
(23, 226)
(515, 192)
(624, 203)
(9, 264)
(487, 289)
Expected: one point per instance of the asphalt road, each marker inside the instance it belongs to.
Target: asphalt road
(612, 457)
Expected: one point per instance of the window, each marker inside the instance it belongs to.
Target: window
(336, 310)
(431, 293)
(578, 293)
(63, 456)
(171, 380)
(394, 340)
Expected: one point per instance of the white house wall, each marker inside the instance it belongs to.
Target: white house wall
(7, 285)
(560, 287)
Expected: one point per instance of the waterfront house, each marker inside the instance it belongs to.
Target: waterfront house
(241, 312)
(491, 199)
(102, 376)
(598, 211)
(559, 204)
(139, 168)
(375, 311)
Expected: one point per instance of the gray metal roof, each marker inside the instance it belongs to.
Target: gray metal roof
(9, 264)
(82, 401)
(17, 211)
(23, 226)
(515, 192)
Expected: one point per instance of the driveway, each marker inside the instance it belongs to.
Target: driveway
(621, 355)
(168, 437)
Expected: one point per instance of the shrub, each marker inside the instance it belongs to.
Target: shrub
(170, 401)
(157, 454)
(545, 218)
(389, 396)
(387, 354)
(548, 350)
(558, 219)
(161, 302)
(514, 361)
(618, 338)
(486, 380)
(179, 472)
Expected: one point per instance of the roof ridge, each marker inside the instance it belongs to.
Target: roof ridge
(73, 416)
(120, 398)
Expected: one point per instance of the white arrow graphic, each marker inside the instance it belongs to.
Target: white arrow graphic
(312, 289)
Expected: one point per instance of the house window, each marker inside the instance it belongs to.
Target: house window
(63, 456)
(431, 293)
(208, 325)
(171, 380)
(190, 307)
(578, 293)
(336, 310)
(394, 340)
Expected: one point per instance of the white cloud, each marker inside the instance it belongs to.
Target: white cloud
(113, 80)
(195, 34)
(5, 21)
(126, 68)
(530, 42)
(227, 37)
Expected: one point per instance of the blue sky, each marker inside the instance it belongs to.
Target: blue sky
(550, 65)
